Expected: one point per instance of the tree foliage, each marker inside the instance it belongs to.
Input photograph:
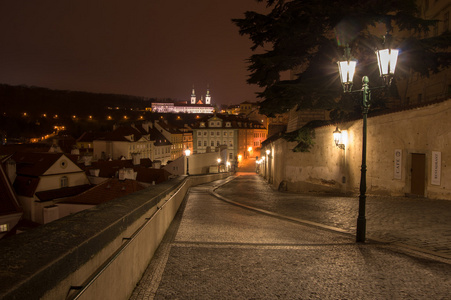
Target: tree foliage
(308, 36)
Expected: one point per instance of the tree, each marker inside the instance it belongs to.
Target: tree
(308, 36)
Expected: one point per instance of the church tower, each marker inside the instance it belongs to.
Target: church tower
(208, 97)
(193, 96)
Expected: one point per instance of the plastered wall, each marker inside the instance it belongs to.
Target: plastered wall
(393, 141)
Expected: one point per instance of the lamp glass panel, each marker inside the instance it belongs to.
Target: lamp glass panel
(347, 70)
(337, 137)
(386, 60)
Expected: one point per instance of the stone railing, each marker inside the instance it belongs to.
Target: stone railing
(99, 253)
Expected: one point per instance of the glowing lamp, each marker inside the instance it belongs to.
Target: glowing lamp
(386, 61)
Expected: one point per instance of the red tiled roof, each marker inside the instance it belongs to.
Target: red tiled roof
(150, 175)
(8, 200)
(62, 192)
(90, 136)
(25, 186)
(158, 137)
(119, 134)
(106, 191)
(34, 164)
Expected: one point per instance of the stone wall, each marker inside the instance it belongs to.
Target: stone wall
(101, 251)
(424, 131)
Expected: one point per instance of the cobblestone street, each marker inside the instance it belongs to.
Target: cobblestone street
(416, 222)
(215, 249)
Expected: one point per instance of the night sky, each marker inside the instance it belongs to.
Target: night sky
(149, 48)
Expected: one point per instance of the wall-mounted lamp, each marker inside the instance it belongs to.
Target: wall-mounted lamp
(340, 138)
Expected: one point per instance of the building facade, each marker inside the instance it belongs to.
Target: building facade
(195, 106)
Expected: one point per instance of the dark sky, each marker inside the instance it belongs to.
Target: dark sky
(150, 48)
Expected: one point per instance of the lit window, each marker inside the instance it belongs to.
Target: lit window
(3, 227)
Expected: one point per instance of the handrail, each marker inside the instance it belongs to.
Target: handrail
(81, 289)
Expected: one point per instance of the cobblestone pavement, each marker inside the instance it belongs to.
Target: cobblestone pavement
(416, 222)
(215, 250)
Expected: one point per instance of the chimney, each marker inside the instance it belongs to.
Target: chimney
(11, 170)
(136, 159)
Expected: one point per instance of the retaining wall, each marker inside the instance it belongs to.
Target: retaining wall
(99, 253)
(393, 140)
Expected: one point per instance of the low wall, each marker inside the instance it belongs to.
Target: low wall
(100, 253)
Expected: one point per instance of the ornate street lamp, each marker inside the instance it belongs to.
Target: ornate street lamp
(346, 69)
(338, 139)
(187, 154)
(386, 60)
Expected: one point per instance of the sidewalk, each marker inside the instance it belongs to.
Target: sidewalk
(415, 222)
(216, 250)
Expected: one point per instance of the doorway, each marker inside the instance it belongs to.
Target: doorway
(418, 174)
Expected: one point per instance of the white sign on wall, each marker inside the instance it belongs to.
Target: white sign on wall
(436, 167)
(398, 164)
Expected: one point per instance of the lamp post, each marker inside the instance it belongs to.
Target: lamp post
(268, 152)
(386, 60)
(187, 154)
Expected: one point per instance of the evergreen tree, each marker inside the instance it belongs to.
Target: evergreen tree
(309, 36)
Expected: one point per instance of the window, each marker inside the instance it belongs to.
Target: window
(3, 227)
(230, 144)
(64, 181)
(230, 155)
(205, 133)
(212, 143)
(199, 143)
(218, 143)
(205, 143)
(218, 133)
(225, 133)
(199, 133)
(212, 133)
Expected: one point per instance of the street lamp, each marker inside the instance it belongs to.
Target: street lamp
(386, 60)
(219, 161)
(187, 154)
(268, 152)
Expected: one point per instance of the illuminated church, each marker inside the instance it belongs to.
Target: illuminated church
(195, 106)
